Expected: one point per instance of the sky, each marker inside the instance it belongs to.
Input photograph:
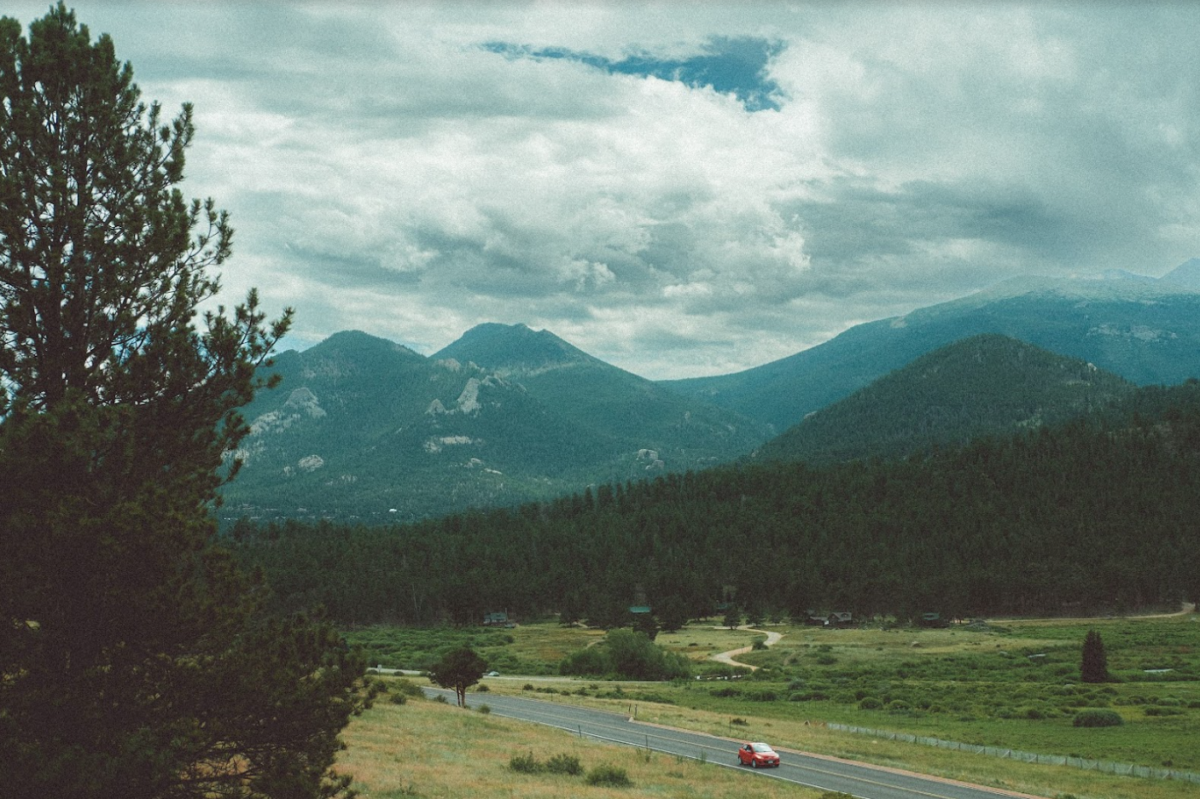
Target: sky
(679, 189)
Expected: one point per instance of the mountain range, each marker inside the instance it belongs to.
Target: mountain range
(363, 428)
(1144, 329)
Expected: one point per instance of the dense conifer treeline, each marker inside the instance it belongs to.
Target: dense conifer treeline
(1100, 514)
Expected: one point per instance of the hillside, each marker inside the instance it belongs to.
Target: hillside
(987, 385)
(1097, 516)
(1145, 330)
(606, 400)
(362, 428)
(365, 429)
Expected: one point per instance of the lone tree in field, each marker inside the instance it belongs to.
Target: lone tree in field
(135, 660)
(459, 669)
(1095, 662)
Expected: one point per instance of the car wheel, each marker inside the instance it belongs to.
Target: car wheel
(754, 763)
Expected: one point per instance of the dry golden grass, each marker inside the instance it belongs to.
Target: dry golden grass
(433, 750)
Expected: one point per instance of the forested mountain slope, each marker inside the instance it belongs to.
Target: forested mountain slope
(1093, 515)
(986, 385)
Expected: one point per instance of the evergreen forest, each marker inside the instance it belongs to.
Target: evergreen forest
(1095, 515)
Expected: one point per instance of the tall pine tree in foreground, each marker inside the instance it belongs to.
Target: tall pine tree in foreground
(135, 660)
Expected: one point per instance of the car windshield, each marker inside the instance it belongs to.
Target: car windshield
(763, 749)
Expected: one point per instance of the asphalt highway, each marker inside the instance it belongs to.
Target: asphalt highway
(824, 773)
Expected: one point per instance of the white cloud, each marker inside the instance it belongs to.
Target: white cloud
(387, 172)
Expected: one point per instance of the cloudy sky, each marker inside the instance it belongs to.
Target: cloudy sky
(680, 189)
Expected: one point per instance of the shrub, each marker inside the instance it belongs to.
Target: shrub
(397, 699)
(564, 764)
(407, 687)
(611, 776)
(808, 696)
(481, 689)
(1098, 718)
(525, 764)
(628, 654)
(1163, 711)
(869, 703)
(485, 709)
(590, 661)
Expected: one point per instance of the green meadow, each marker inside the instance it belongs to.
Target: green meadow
(1011, 684)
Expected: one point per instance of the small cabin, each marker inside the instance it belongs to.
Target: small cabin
(839, 618)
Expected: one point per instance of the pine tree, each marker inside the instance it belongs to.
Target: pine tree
(1095, 662)
(135, 660)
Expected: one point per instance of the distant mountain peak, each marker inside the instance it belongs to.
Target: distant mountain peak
(512, 348)
(1187, 275)
(357, 340)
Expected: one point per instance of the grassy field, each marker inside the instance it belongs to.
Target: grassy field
(1013, 685)
(430, 749)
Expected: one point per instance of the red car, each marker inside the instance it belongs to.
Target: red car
(758, 755)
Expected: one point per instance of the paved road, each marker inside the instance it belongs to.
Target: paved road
(823, 773)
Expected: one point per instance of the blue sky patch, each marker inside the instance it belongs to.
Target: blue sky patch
(735, 66)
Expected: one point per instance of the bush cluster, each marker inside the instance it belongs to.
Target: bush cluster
(564, 764)
(558, 764)
(1098, 718)
(627, 654)
(526, 764)
(611, 776)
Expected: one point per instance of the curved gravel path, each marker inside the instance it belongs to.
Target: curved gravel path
(728, 657)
